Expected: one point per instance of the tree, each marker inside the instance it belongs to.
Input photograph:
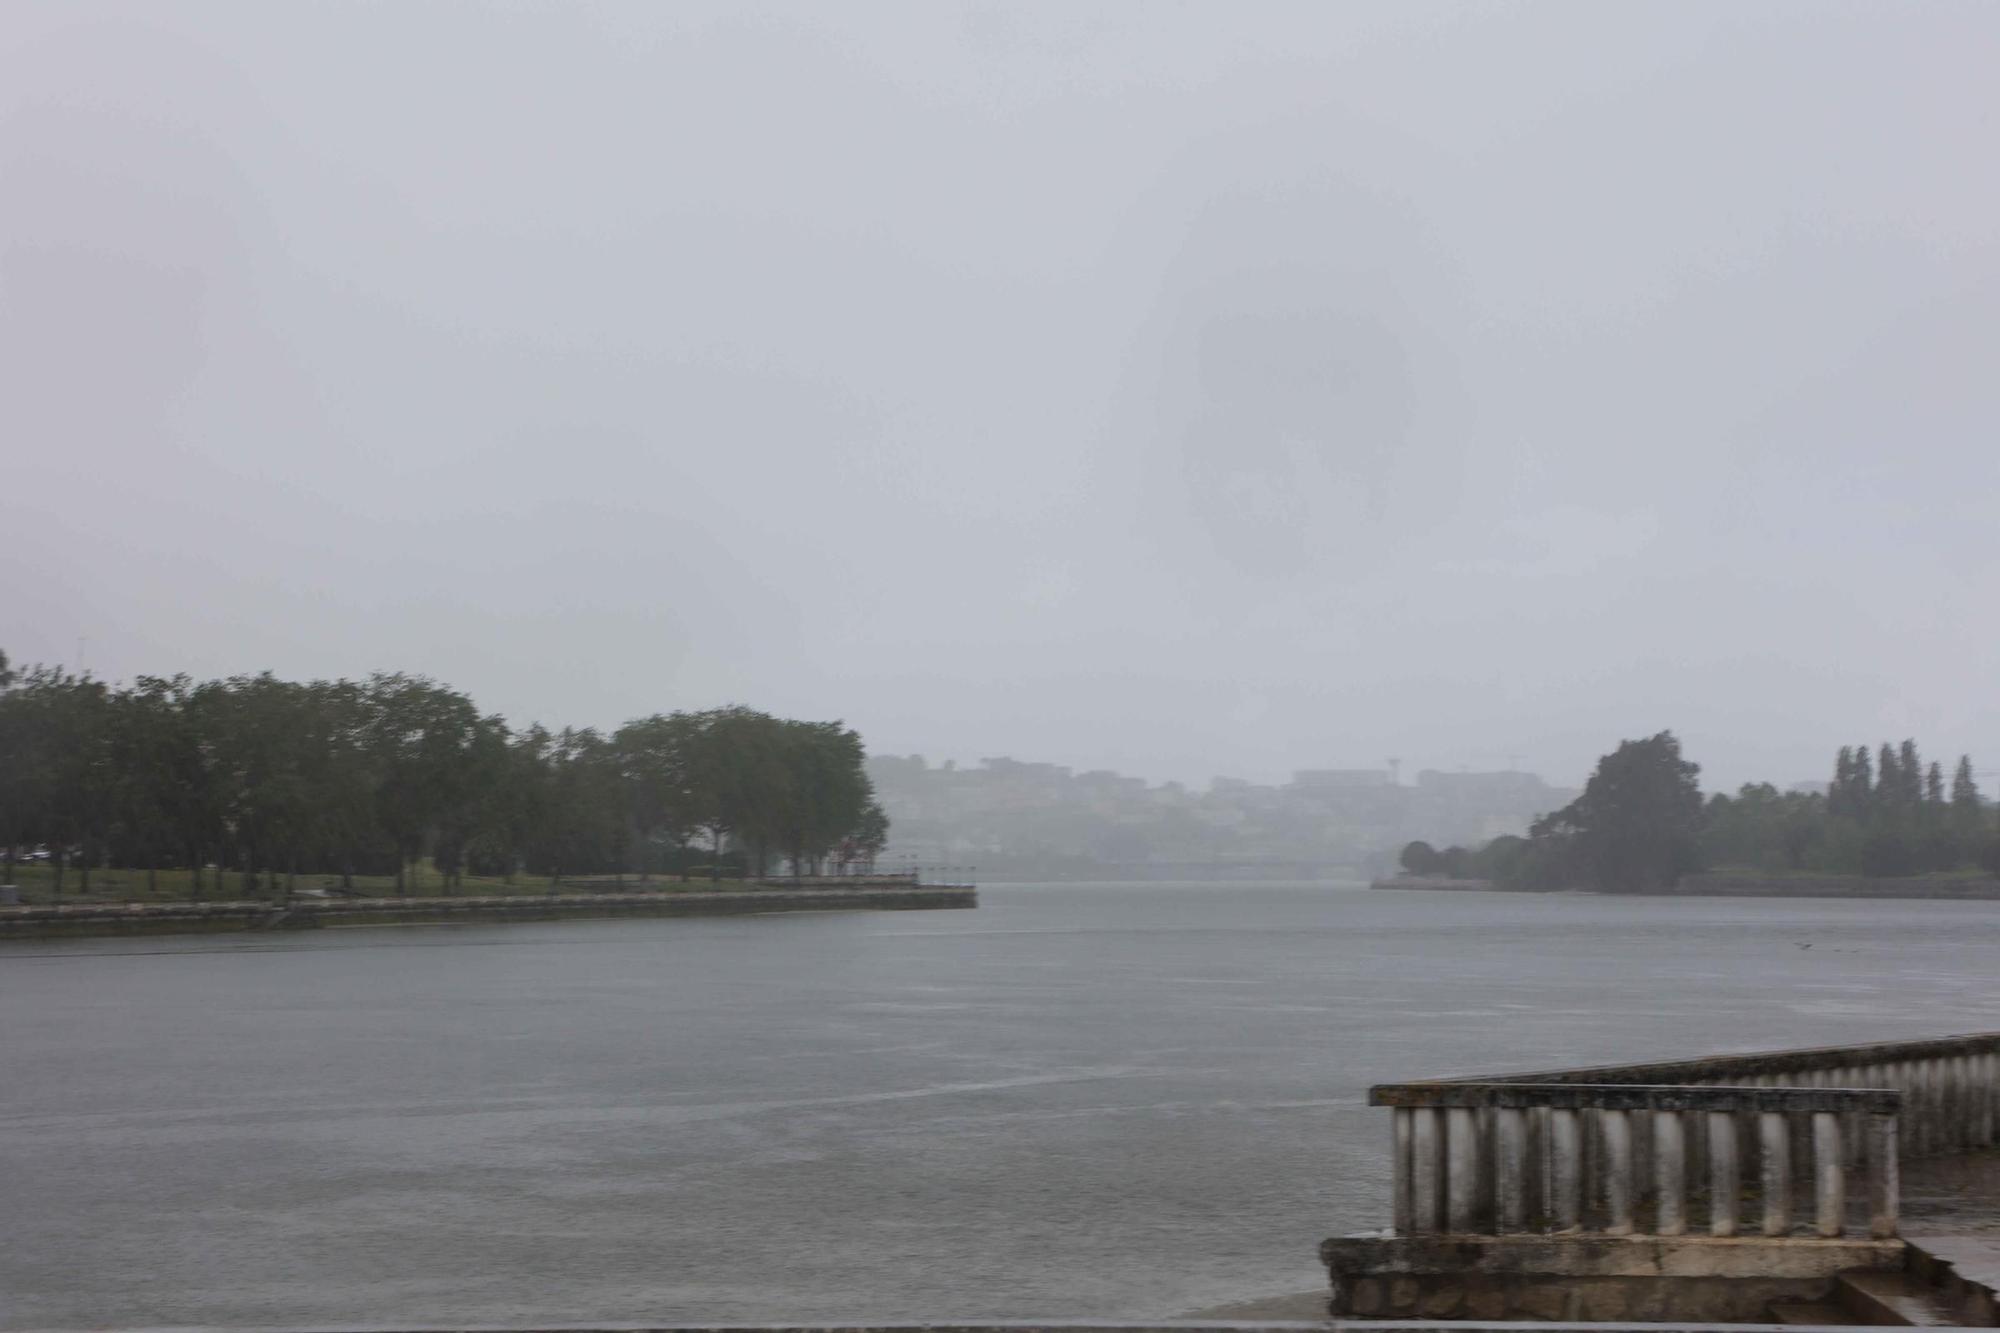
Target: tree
(1763, 827)
(865, 843)
(1637, 825)
(419, 732)
(1964, 791)
(653, 756)
(1841, 797)
(824, 791)
(167, 801)
(1420, 858)
(274, 778)
(730, 780)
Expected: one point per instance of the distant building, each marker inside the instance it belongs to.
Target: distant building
(1339, 779)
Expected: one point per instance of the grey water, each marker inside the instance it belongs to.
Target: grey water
(1127, 1101)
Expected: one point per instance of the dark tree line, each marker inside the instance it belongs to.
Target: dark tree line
(270, 778)
(1641, 824)
(1884, 814)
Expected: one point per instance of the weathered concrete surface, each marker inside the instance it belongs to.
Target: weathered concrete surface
(1630, 1278)
(302, 914)
(1951, 1210)
(1078, 1326)
(1746, 1067)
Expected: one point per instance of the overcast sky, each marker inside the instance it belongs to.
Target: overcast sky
(1182, 389)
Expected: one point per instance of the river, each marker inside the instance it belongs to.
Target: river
(1113, 1101)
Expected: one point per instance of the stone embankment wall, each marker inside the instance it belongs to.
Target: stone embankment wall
(1833, 886)
(1436, 882)
(305, 914)
(1754, 886)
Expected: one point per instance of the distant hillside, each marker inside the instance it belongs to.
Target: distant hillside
(1026, 820)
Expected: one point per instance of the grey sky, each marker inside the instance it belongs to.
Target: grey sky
(1182, 389)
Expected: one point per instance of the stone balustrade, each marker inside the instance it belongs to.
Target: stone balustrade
(1950, 1085)
(1620, 1159)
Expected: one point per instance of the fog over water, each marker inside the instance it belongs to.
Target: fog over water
(1118, 1101)
(1176, 389)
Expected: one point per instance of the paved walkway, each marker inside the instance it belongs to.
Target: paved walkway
(1951, 1207)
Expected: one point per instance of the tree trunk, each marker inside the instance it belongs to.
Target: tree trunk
(152, 877)
(57, 858)
(400, 863)
(83, 869)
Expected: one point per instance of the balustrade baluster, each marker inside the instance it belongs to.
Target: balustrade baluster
(1670, 1172)
(1775, 1142)
(1565, 1170)
(1510, 1170)
(1724, 1183)
(1401, 1164)
(1618, 1182)
(1426, 1207)
(1884, 1176)
(1462, 1170)
(1990, 1077)
(1830, 1175)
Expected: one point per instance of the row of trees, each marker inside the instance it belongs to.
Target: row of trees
(1641, 824)
(269, 777)
(1885, 815)
(1636, 827)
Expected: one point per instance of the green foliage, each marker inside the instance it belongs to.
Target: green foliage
(274, 778)
(1637, 825)
(1420, 858)
(1885, 814)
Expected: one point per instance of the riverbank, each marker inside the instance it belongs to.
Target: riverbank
(1441, 883)
(86, 919)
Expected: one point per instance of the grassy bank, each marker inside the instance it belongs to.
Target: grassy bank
(37, 885)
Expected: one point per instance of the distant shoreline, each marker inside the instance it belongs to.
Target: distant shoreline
(1727, 885)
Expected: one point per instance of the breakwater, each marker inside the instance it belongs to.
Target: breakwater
(83, 919)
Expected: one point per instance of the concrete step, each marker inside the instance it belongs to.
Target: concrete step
(1893, 1298)
(1817, 1313)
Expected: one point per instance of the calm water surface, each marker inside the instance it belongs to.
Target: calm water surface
(1110, 1101)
